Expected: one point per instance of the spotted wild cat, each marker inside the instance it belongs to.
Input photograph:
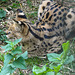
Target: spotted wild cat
(55, 25)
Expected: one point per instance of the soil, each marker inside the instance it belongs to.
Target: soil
(29, 8)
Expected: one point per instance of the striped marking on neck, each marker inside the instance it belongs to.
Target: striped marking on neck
(22, 16)
(35, 35)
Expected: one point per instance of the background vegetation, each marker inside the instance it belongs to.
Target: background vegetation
(14, 62)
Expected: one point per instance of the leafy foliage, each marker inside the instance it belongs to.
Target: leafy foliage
(58, 62)
(2, 13)
(32, 15)
(1, 57)
(1, 60)
(15, 5)
(13, 58)
(29, 3)
(2, 36)
(3, 0)
(19, 63)
(11, 45)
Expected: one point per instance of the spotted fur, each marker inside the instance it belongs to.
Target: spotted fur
(55, 25)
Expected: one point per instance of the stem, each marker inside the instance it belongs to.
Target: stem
(55, 73)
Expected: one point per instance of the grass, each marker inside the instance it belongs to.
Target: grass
(68, 69)
(29, 3)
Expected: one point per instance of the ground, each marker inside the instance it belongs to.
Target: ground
(30, 7)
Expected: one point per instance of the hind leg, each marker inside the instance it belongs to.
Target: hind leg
(56, 45)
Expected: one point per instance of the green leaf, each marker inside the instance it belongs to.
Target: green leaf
(6, 47)
(17, 41)
(50, 73)
(56, 69)
(15, 5)
(2, 32)
(7, 59)
(17, 50)
(52, 65)
(20, 63)
(12, 44)
(21, 74)
(69, 59)
(53, 57)
(9, 42)
(1, 57)
(25, 55)
(32, 74)
(33, 22)
(4, 0)
(8, 70)
(38, 70)
(66, 47)
(2, 13)
(59, 73)
(2, 36)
